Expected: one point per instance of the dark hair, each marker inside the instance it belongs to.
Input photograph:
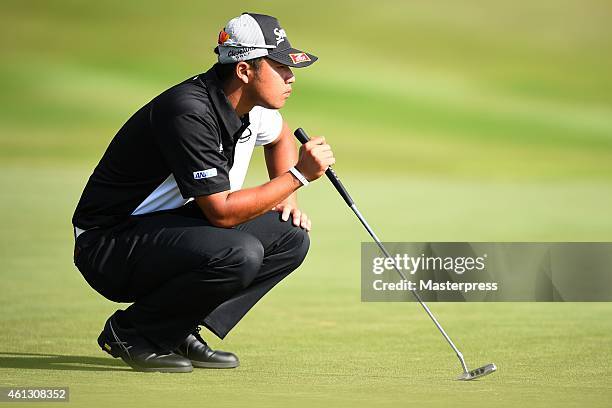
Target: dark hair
(225, 72)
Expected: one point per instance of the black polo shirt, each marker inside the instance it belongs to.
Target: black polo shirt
(185, 138)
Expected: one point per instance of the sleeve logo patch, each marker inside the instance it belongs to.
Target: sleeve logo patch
(202, 174)
(299, 58)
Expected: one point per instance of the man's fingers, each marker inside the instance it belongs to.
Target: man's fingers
(314, 142)
(286, 213)
(304, 221)
(296, 217)
(328, 161)
(321, 148)
(318, 139)
(325, 155)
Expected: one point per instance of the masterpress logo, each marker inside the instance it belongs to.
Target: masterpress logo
(430, 264)
(487, 271)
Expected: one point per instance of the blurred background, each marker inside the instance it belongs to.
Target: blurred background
(482, 113)
(451, 121)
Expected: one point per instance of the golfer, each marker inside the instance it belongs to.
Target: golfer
(163, 223)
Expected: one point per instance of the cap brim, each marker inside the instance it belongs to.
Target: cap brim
(293, 57)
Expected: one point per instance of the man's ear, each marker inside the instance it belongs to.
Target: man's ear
(243, 71)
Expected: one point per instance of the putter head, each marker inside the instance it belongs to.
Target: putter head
(478, 372)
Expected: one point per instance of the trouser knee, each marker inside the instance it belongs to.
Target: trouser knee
(299, 243)
(240, 263)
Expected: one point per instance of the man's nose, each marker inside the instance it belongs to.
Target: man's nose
(291, 77)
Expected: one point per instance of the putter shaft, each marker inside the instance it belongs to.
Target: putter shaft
(335, 180)
(414, 292)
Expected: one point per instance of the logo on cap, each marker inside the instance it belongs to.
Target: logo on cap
(223, 37)
(239, 52)
(280, 35)
(299, 58)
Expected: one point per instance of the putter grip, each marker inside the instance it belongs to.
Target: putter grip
(331, 174)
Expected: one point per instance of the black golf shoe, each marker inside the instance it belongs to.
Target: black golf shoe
(138, 352)
(201, 355)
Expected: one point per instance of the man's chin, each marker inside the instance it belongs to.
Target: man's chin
(276, 105)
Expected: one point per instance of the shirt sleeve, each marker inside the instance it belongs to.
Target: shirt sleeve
(190, 146)
(270, 126)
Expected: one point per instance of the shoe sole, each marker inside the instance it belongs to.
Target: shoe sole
(159, 369)
(201, 364)
(187, 369)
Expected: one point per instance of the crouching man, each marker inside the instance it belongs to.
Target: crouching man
(163, 223)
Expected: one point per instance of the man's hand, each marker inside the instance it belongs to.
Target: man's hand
(290, 209)
(314, 158)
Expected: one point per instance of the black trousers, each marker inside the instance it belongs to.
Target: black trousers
(180, 271)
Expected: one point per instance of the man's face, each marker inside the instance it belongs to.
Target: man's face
(272, 84)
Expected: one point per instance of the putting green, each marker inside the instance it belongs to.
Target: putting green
(311, 341)
(476, 121)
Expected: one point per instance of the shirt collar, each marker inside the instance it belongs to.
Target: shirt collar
(230, 119)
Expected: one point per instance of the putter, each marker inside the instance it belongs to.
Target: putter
(467, 375)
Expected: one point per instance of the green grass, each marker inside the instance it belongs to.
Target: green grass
(312, 341)
(471, 121)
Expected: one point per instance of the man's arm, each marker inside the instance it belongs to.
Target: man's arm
(227, 209)
(280, 156)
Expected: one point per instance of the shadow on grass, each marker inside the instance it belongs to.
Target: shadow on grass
(60, 362)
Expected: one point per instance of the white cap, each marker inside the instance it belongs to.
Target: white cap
(250, 36)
